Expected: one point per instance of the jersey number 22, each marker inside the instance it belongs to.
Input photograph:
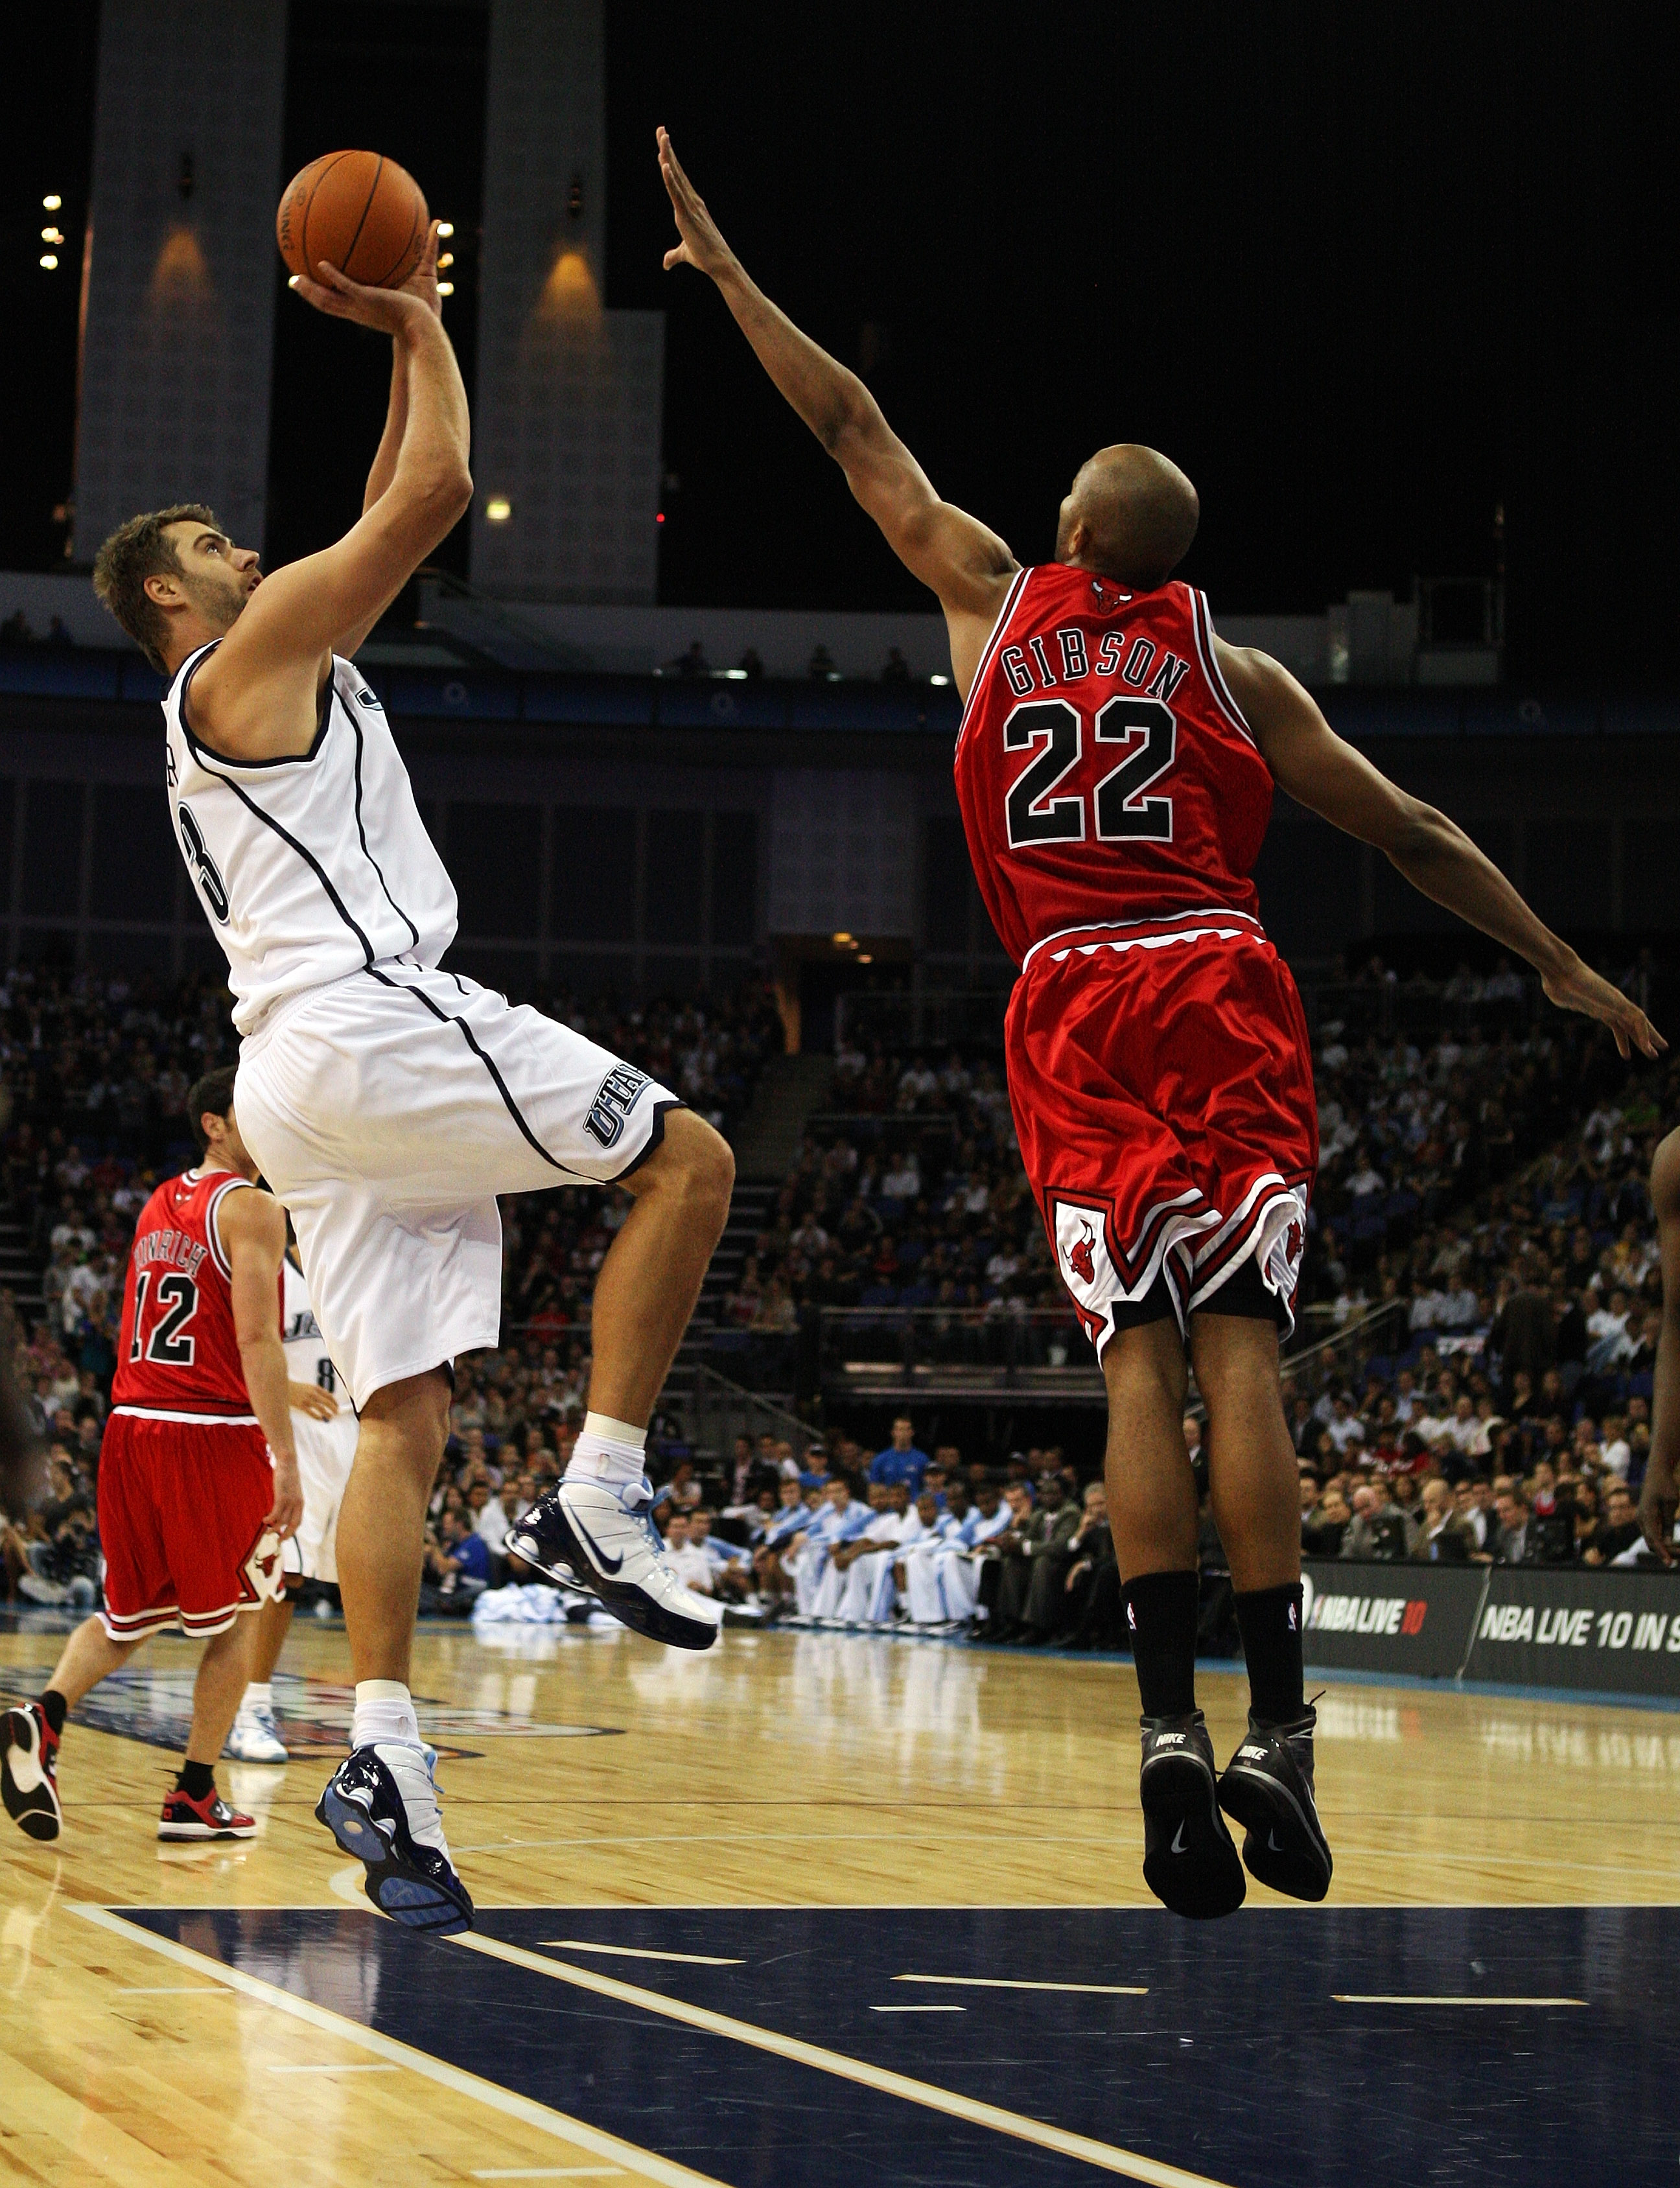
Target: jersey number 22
(1054, 729)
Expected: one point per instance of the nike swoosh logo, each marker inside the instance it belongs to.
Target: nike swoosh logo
(1178, 1845)
(608, 1565)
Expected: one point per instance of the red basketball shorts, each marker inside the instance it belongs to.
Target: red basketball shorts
(182, 1505)
(1161, 1078)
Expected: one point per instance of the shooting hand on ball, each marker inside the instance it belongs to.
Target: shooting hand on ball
(391, 311)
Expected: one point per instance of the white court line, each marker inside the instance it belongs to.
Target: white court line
(641, 1953)
(918, 2008)
(1006, 1982)
(1130, 2164)
(341, 2067)
(644, 2163)
(550, 2172)
(1376, 1998)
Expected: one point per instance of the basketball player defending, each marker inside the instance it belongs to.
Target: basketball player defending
(198, 1481)
(1115, 767)
(387, 1102)
(324, 1429)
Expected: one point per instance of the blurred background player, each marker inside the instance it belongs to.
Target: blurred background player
(325, 1429)
(198, 1477)
(1660, 1496)
(1115, 766)
(389, 1103)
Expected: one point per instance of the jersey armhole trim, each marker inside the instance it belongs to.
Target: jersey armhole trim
(218, 1252)
(202, 750)
(1202, 624)
(1012, 601)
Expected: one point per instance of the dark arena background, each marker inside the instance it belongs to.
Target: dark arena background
(851, 1895)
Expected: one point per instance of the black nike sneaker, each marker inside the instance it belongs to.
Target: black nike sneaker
(1189, 1861)
(584, 1534)
(1267, 1788)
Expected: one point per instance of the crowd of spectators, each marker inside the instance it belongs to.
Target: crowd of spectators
(911, 1196)
(1495, 1403)
(1481, 1267)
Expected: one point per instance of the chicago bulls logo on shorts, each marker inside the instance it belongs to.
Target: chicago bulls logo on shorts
(1081, 1255)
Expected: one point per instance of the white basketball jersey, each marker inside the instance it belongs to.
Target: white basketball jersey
(309, 868)
(307, 1356)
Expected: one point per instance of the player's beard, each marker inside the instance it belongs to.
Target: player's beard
(218, 599)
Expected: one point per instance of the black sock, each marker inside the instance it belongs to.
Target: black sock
(1161, 1618)
(195, 1779)
(1271, 1622)
(55, 1709)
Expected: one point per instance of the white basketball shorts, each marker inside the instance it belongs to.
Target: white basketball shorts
(387, 1110)
(326, 1451)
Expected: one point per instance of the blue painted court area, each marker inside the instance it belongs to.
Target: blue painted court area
(1359, 2045)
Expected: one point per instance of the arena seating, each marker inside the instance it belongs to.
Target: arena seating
(1471, 1377)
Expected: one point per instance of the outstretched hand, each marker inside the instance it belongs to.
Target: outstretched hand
(391, 311)
(702, 245)
(1582, 989)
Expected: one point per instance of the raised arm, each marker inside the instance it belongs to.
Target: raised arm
(1319, 770)
(252, 1226)
(952, 553)
(257, 695)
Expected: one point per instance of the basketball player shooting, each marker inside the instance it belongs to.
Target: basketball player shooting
(1115, 767)
(387, 1102)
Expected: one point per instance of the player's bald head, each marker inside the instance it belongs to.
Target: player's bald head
(1131, 515)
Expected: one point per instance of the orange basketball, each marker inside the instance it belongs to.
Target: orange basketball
(358, 211)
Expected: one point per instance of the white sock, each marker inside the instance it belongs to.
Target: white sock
(609, 1452)
(259, 1694)
(384, 1709)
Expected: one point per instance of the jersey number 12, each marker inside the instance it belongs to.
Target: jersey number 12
(176, 1301)
(1054, 731)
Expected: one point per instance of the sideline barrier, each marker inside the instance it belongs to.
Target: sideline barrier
(1409, 1618)
(1613, 1631)
(1601, 1632)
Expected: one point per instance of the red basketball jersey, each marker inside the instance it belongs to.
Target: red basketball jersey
(1105, 773)
(178, 1354)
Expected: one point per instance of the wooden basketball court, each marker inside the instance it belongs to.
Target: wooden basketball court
(819, 1908)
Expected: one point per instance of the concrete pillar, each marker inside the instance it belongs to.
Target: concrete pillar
(567, 434)
(182, 269)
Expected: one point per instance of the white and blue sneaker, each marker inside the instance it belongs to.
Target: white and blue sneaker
(381, 1806)
(584, 1534)
(255, 1737)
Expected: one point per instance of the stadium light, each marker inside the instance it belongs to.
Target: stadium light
(446, 287)
(843, 941)
(446, 227)
(49, 260)
(51, 202)
(52, 235)
(939, 680)
(498, 510)
(448, 259)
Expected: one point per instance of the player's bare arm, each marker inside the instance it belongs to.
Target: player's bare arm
(253, 1227)
(1660, 1496)
(952, 553)
(1325, 774)
(421, 283)
(258, 695)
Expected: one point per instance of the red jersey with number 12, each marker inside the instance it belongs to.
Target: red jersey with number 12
(178, 1353)
(1105, 773)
